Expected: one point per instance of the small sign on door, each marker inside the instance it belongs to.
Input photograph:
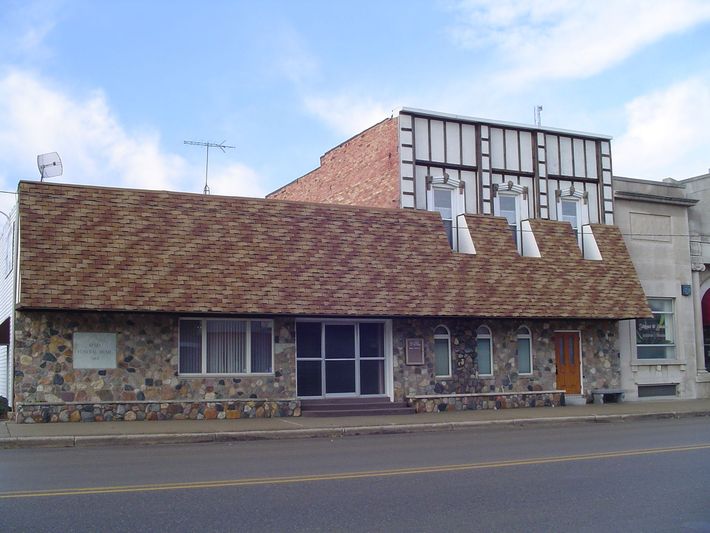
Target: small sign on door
(414, 349)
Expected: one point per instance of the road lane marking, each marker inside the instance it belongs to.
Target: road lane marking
(345, 475)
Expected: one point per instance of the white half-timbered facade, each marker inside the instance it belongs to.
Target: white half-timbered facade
(460, 165)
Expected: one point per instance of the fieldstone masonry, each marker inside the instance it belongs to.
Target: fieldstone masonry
(599, 346)
(146, 385)
(145, 381)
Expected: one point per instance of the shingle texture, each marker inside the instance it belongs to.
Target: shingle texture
(91, 248)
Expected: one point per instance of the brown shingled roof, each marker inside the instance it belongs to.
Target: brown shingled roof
(93, 248)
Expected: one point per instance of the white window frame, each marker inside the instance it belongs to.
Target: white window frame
(570, 194)
(447, 337)
(673, 345)
(499, 212)
(520, 193)
(489, 337)
(458, 201)
(577, 215)
(527, 336)
(203, 341)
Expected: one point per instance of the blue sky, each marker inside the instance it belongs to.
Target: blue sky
(115, 87)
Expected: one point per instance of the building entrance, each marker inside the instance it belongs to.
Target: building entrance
(335, 359)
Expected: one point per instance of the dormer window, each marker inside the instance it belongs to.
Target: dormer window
(510, 202)
(443, 204)
(445, 196)
(572, 208)
(570, 213)
(509, 209)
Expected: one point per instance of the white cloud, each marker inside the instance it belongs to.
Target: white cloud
(347, 113)
(94, 146)
(236, 180)
(294, 60)
(666, 134)
(548, 39)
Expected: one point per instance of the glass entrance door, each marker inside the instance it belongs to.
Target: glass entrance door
(340, 365)
(340, 359)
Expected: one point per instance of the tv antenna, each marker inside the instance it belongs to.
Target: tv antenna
(207, 146)
(49, 165)
(538, 113)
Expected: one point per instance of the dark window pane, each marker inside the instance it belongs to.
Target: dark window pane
(226, 346)
(261, 346)
(190, 347)
(339, 341)
(655, 352)
(308, 339)
(442, 357)
(484, 355)
(372, 339)
(524, 356)
(309, 378)
(339, 377)
(372, 376)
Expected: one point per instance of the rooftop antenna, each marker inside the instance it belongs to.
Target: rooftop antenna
(49, 165)
(207, 146)
(538, 118)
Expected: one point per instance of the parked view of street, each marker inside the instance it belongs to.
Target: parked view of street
(624, 476)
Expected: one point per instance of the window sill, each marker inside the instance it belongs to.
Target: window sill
(655, 362)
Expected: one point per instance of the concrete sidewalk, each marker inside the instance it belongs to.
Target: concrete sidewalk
(189, 431)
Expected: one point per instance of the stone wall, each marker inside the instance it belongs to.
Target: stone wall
(463, 402)
(146, 384)
(599, 345)
(29, 413)
(146, 366)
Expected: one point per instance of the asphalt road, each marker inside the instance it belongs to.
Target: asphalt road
(629, 476)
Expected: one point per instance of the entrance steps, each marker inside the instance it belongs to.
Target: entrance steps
(575, 399)
(354, 407)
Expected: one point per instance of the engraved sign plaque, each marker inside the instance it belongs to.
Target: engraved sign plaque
(94, 350)
(415, 351)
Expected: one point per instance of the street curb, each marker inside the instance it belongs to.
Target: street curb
(328, 432)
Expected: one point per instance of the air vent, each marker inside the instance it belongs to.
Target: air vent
(650, 391)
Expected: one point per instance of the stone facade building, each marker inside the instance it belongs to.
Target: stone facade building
(133, 305)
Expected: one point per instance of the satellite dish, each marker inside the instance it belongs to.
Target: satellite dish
(49, 165)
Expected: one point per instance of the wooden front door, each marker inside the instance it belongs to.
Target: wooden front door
(568, 361)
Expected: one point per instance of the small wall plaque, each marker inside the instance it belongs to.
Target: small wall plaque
(685, 290)
(94, 350)
(415, 351)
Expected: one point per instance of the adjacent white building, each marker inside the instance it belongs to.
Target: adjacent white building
(666, 226)
(7, 293)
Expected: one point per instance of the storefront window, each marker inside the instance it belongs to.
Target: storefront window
(655, 336)
(225, 346)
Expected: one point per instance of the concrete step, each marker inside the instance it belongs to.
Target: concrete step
(359, 412)
(575, 399)
(354, 407)
(360, 400)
